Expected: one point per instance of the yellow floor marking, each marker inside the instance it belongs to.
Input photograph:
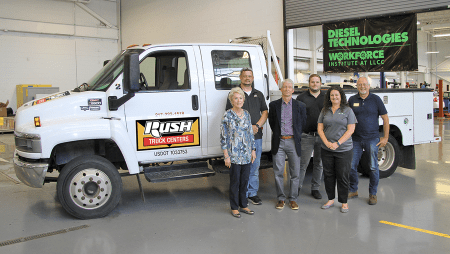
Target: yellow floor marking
(415, 229)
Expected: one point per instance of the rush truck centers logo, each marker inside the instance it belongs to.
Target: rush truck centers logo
(167, 133)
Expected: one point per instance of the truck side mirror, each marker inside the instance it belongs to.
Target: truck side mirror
(131, 72)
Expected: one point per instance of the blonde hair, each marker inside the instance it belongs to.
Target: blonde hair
(235, 90)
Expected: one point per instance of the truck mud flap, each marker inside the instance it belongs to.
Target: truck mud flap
(177, 172)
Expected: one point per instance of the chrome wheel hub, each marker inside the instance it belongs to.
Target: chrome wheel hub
(386, 157)
(90, 188)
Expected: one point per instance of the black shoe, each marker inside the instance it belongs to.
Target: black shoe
(255, 200)
(316, 194)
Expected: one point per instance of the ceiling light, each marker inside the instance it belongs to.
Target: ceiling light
(441, 35)
(432, 52)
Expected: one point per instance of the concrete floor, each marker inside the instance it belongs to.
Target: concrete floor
(193, 216)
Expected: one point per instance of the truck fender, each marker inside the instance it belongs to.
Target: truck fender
(119, 135)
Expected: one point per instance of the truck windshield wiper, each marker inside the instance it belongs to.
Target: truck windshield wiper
(81, 88)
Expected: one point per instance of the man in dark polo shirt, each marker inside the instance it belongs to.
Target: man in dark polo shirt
(367, 108)
(313, 98)
(256, 105)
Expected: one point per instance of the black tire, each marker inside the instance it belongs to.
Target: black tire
(89, 187)
(388, 158)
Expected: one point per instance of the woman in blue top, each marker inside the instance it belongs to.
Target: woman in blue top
(238, 145)
(335, 127)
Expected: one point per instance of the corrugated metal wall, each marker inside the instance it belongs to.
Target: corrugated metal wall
(301, 13)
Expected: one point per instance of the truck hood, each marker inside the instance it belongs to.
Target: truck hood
(61, 108)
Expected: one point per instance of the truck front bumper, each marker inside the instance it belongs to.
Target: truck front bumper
(31, 174)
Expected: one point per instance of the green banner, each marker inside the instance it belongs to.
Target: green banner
(371, 45)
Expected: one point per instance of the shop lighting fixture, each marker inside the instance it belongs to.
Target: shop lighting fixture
(441, 35)
(432, 52)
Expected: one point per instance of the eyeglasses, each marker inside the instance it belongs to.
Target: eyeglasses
(362, 84)
(246, 69)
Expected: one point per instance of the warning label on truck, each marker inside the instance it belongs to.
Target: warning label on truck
(51, 97)
(167, 133)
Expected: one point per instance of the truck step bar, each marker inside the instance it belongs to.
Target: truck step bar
(177, 172)
(219, 165)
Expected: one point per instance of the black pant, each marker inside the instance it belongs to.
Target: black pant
(336, 169)
(238, 185)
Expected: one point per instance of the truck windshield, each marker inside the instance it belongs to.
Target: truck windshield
(103, 79)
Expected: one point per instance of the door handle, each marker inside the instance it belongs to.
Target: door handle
(194, 102)
(267, 84)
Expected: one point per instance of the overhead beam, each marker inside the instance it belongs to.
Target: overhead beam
(95, 15)
(435, 26)
(36, 27)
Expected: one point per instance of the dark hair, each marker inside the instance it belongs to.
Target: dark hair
(327, 101)
(245, 69)
(314, 75)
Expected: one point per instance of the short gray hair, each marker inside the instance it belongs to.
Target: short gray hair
(235, 90)
(287, 81)
(364, 78)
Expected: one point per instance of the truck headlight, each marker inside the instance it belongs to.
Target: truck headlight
(29, 143)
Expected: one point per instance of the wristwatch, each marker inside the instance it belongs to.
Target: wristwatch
(339, 144)
(258, 126)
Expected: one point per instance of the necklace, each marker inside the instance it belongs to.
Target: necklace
(239, 115)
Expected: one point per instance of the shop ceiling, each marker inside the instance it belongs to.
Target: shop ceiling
(435, 23)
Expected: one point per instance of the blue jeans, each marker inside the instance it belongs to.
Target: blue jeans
(253, 179)
(371, 147)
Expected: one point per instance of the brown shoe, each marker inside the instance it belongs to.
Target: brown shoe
(372, 199)
(353, 194)
(293, 205)
(280, 204)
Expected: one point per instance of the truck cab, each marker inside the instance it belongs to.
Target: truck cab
(147, 107)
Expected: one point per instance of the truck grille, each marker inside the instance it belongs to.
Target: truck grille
(28, 143)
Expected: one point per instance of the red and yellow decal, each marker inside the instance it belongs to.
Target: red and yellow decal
(52, 97)
(167, 133)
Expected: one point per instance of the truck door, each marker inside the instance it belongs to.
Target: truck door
(222, 66)
(164, 116)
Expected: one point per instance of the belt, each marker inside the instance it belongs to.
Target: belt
(313, 133)
(286, 137)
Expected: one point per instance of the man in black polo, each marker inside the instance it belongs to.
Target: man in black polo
(313, 98)
(256, 105)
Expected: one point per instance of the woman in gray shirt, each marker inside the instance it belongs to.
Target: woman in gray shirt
(336, 125)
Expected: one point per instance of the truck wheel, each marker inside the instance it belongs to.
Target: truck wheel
(388, 157)
(89, 187)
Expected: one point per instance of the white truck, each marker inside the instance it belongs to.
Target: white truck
(161, 104)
